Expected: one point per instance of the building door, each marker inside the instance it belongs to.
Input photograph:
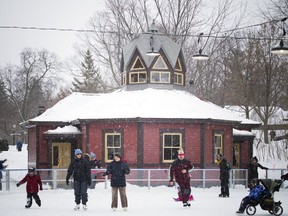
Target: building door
(61, 158)
(236, 155)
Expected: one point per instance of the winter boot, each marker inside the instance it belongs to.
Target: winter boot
(77, 207)
(85, 207)
(38, 202)
(29, 203)
(186, 204)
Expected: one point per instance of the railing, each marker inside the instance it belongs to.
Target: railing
(56, 178)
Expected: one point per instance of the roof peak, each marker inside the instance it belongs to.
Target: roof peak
(153, 28)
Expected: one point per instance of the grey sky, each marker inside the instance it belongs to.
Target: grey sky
(42, 13)
(65, 14)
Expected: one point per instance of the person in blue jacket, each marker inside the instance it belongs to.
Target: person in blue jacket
(255, 194)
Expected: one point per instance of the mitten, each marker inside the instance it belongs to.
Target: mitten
(171, 183)
(18, 184)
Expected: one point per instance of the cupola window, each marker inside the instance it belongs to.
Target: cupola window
(160, 77)
(160, 64)
(138, 65)
(137, 77)
(178, 78)
(178, 66)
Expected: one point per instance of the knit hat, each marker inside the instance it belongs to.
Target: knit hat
(78, 151)
(181, 152)
(254, 158)
(92, 155)
(31, 169)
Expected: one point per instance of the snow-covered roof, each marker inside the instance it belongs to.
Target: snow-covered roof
(147, 103)
(278, 116)
(242, 133)
(69, 129)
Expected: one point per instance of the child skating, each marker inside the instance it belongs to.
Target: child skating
(33, 180)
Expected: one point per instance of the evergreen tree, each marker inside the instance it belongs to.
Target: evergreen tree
(90, 81)
(6, 110)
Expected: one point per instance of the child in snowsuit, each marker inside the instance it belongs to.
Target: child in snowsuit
(180, 170)
(255, 194)
(33, 180)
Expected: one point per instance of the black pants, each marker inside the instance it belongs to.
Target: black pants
(245, 201)
(29, 199)
(80, 192)
(225, 186)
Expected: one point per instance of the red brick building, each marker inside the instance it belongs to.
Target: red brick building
(147, 120)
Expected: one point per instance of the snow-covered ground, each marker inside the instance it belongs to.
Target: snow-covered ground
(141, 200)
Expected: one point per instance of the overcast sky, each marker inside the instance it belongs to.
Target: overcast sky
(72, 14)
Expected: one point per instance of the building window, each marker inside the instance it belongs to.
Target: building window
(178, 78)
(137, 65)
(160, 77)
(112, 145)
(123, 78)
(218, 144)
(137, 77)
(160, 64)
(171, 144)
(178, 65)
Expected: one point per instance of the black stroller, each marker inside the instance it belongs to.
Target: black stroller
(267, 201)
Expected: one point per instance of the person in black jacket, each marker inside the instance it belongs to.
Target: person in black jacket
(253, 170)
(81, 171)
(284, 177)
(224, 175)
(118, 169)
(94, 164)
(2, 167)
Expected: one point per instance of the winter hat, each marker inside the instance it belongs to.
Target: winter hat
(118, 155)
(92, 155)
(254, 158)
(181, 152)
(78, 151)
(31, 169)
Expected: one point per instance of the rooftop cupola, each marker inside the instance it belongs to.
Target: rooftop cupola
(152, 60)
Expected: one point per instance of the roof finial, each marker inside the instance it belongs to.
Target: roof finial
(153, 28)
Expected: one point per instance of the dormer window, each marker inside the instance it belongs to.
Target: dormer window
(160, 64)
(138, 65)
(178, 66)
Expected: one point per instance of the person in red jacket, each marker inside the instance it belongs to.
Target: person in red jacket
(33, 180)
(180, 170)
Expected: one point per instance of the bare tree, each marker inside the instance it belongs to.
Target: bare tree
(32, 83)
(124, 20)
